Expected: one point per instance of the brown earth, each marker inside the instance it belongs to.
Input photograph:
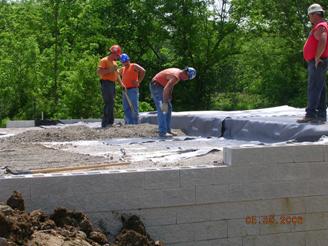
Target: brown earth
(63, 228)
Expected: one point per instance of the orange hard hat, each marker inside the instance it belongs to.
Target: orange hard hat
(116, 49)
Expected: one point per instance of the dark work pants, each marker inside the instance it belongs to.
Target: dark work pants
(316, 90)
(108, 95)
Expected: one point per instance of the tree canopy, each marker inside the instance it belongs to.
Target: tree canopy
(247, 53)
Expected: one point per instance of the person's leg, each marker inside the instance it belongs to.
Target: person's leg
(111, 103)
(316, 80)
(105, 92)
(134, 97)
(157, 95)
(168, 116)
(322, 107)
(126, 109)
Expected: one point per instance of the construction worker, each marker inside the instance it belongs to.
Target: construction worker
(161, 88)
(315, 52)
(132, 75)
(107, 71)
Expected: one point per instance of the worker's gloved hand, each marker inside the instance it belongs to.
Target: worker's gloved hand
(165, 107)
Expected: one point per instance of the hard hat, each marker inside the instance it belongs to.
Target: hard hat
(116, 49)
(191, 72)
(124, 58)
(315, 8)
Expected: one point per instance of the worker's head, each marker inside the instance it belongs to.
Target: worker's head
(115, 51)
(125, 59)
(190, 73)
(315, 11)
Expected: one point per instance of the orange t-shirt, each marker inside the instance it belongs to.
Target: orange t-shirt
(129, 75)
(105, 63)
(161, 77)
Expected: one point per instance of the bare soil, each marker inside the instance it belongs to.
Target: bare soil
(24, 150)
(63, 228)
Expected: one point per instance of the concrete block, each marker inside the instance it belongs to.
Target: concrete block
(22, 185)
(247, 191)
(215, 242)
(182, 233)
(318, 171)
(228, 210)
(211, 193)
(210, 230)
(110, 221)
(294, 171)
(317, 187)
(269, 154)
(196, 213)
(179, 197)
(204, 176)
(20, 123)
(239, 228)
(316, 204)
(282, 239)
(88, 184)
(162, 179)
(317, 238)
(312, 222)
(157, 216)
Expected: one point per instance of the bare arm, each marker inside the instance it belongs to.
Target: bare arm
(167, 93)
(321, 36)
(141, 72)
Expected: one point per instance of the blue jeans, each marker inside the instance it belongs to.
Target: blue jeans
(316, 90)
(108, 95)
(163, 119)
(131, 116)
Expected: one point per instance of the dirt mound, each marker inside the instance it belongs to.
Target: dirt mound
(63, 228)
(74, 133)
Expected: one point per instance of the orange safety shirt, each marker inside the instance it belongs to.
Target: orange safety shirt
(161, 77)
(311, 44)
(106, 63)
(129, 75)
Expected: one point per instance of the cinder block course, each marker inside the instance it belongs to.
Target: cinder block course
(162, 179)
(317, 238)
(195, 213)
(22, 185)
(239, 228)
(210, 230)
(204, 176)
(178, 197)
(181, 233)
(211, 193)
(313, 222)
(274, 154)
(282, 239)
(316, 204)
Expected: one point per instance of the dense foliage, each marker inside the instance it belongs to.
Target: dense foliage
(248, 53)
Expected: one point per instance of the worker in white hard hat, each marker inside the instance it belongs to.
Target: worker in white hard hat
(315, 52)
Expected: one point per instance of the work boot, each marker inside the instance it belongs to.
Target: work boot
(166, 135)
(307, 119)
(173, 133)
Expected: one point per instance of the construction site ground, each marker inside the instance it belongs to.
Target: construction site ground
(125, 146)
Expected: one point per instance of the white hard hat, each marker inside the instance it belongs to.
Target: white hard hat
(315, 8)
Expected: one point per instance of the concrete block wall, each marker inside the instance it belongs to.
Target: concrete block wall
(206, 205)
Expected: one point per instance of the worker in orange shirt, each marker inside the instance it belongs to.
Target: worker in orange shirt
(107, 71)
(132, 75)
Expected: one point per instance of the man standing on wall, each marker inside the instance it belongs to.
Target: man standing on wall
(107, 71)
(132, 75)
(315, 52)
(161, 88)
